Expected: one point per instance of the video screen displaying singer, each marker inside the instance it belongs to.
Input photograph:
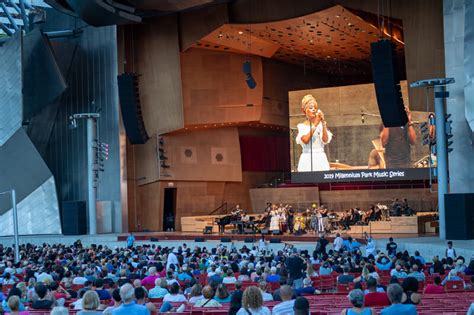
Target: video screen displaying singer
(313, 135)
(340, 128)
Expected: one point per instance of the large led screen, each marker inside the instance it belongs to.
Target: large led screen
(336, 134)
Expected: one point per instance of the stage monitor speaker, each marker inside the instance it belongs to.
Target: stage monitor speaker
(207, 230)
(459, 216)
(74, 218)
(225, 239)
(199, 239)
(131, 108)
(154, 239)
(249, 240)
(275, 240)
(387, 84)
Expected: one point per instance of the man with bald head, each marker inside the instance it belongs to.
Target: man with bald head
(129, 307)
(285, 307)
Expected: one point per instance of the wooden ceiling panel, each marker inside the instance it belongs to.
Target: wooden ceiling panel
(335, 40)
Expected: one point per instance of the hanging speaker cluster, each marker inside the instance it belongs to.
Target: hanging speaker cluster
(247, 69)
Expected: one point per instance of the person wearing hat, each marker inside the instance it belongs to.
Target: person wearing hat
(313, 135)
(356, 297)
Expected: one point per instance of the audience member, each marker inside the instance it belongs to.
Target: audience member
(129, 307)
(285, 307)
(301, 306)
(252, 303)
(373, 297)
(208, 298)
(356, 297)
(395, 295)
(90, 304)
(117, 302)
(434, 288)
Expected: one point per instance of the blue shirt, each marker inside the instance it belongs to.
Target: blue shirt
(131, 309)
(399, 309)
(273, 278)
(184, 276)
(421, 259)
(130, 240)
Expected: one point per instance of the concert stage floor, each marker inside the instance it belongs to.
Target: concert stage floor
(311, 238)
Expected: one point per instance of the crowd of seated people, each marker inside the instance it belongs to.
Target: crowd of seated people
(150, 279)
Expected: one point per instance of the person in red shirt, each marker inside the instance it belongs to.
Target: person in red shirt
(435, 288)
(374, 298)
(58, 291)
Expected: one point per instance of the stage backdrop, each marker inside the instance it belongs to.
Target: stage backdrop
(351, 114)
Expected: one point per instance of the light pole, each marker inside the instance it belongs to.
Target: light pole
(440, 95)
(92, 167)
(15, 223)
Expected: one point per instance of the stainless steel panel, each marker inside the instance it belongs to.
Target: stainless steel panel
(38, 213)
(469, 62)
(90, 61)
(10, 88)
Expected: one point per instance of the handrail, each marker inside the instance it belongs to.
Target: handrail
(219, 208)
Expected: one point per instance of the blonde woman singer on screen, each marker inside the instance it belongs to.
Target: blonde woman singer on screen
(313, 135)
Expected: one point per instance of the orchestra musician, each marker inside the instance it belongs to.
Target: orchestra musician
(313, 135)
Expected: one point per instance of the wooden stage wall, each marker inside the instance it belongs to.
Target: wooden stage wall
(302, 197)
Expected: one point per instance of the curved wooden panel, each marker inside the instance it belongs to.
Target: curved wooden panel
(214, 88)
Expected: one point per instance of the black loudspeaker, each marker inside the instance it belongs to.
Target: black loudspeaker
(459, 210)
(74, 218)
(249, 240)
(387, 84)
(207, 230)
(131, 108)
(275, 240)
(225, 240)
(154, 239)
(199, 239)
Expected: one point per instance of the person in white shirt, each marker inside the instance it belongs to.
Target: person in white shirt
(172, 259)
(337, 244)
(229, 278)
(79, 279)
(196, 294)
(285, 307)
(252, 303)
(174, 295)
(44, 277)
(370, 247)
(263, 285)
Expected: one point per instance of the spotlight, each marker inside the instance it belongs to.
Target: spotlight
(72, 123)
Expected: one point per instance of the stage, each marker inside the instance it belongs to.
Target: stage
(423, 222)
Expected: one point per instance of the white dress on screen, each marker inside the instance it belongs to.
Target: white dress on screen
(314, 149)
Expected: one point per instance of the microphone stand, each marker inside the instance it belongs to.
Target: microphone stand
(311, 143)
